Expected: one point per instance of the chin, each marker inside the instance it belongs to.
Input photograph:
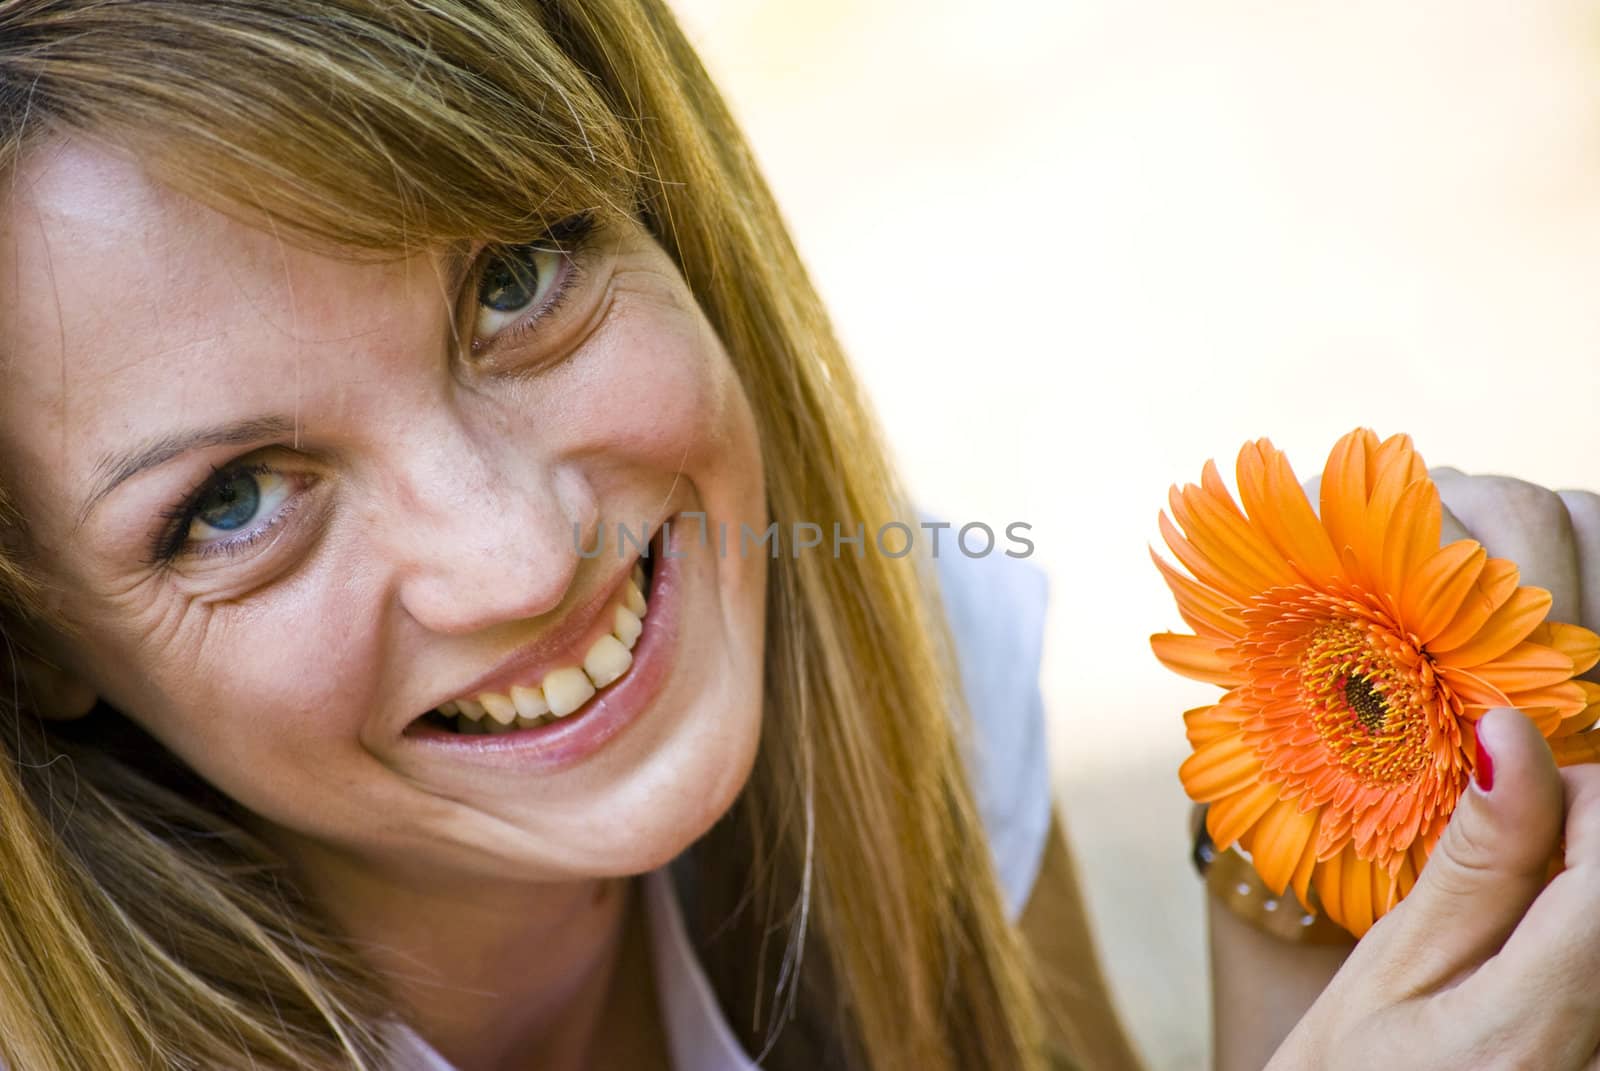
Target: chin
(672, 802)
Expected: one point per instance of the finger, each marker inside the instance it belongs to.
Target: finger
(1581, 785)
(1491, 862)
(1542, 979)
(1450, 527)
(1583, 508)
(1523, 522)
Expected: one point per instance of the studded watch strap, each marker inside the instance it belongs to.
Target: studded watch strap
(1232, 879)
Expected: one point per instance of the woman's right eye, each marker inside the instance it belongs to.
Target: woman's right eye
(516, 281)
(518, 286)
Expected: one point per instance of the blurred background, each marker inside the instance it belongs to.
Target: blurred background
(1077, 247)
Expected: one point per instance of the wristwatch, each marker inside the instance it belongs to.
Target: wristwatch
(1232, 879)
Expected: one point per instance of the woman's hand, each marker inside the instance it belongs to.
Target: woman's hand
(1263, 988)
(1485, 966)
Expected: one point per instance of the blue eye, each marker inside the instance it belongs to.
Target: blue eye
(236, 508)
(238, 505)
(230, 505)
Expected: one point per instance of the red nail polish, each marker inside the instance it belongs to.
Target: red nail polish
(1484, 773)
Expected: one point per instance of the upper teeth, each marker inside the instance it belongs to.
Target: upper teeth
(566, 689)
(530, 702)
(626, 627)
(607, 660)
(499, 707)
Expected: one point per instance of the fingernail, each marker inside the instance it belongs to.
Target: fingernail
(1484, 772)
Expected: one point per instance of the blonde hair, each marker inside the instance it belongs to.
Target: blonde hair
(139, 926)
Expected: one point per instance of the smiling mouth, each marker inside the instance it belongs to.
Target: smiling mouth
(562, 692)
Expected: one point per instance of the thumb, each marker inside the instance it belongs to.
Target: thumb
(1492, 860)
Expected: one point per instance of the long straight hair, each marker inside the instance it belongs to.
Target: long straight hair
(846, 907)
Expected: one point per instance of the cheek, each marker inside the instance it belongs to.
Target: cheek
(259, 708)
(660, 391)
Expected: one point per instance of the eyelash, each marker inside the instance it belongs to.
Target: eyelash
(568, 237)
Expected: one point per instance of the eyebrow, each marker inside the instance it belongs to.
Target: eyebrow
(114, 469)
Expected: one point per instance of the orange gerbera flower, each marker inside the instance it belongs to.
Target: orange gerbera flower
(1356, 652)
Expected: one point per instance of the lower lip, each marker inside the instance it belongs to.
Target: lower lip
(564, 743)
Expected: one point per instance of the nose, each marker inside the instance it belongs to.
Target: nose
(486, 536)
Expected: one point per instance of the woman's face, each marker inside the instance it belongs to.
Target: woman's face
(293, 504)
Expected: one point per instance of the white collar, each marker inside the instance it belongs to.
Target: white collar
(698, 1036)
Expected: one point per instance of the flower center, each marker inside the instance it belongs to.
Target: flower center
(1366, 702)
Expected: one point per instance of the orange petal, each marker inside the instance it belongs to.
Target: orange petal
(1201, 608)
(1585, 718)
(1205, 724)
(1496, 584)
(1201, 566)
(1384, 891)
(1405, 879)
(1211, 483)
(1231, 818)
(1411, 535)
(1525, 668)
(1196, 657)
(1563, 700)
(1356, 888)
(1434, 594)
(1301, 882)
(1498, 632)
(1218, 530)
(1344, 488)
(1328, 880)
(1397, 453)
(1277, 505)
(1219, 769)
(1280, 839)
(1571, 750)
(1578, 644)
(1384, 815)
(1382, 502)
(1472, 690)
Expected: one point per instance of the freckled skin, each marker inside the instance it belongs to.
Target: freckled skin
(435, 495)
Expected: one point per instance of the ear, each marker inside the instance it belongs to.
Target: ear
(56, 693)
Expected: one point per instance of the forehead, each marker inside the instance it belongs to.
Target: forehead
(123, 303)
